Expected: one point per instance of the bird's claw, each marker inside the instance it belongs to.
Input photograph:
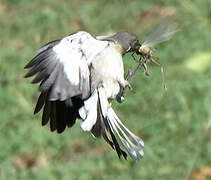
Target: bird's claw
(120, 98)
(127, 84)
(145, 69)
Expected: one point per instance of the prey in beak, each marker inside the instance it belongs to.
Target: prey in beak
(163, 32)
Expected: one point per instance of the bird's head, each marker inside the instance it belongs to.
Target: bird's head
(127, 41)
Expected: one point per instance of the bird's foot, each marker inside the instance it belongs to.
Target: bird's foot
(121, 95)
(120, 98)
(127, 84)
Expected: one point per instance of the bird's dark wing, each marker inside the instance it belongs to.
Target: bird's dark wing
(62, 67)
(48, 46)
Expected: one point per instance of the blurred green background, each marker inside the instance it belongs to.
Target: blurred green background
(175, 124)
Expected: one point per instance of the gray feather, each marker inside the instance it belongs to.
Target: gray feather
(39, 67)
(37, 59)
(48, 82)
(48, 46)
(46, 113)
(40, 102)
(53, 122)
(44, 73)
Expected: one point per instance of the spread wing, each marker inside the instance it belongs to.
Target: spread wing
(62, 68)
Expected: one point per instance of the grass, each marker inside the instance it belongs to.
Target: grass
(175, 125)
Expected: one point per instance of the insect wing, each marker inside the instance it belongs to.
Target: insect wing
(163, 32)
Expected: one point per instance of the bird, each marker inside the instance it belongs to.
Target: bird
(80, 76)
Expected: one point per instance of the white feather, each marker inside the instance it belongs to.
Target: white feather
(76, 52)
(83, 112)
(69, 57)
(90, 107)
(118, 127)
(103, 101)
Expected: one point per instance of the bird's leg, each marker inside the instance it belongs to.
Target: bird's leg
(130, 75)
(145, 69)
(134, 58)
(121, 94)
(127, 84)
(142, 63)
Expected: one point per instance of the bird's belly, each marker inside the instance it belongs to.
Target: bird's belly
(110, 66)
(111, 69)
(109, 72)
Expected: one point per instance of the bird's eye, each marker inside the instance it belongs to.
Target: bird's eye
(138, 43)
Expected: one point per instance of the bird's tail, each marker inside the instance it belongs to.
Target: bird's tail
(99, 118)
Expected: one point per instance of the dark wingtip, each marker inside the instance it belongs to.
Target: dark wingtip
(27, 66)
(28, 74)
(30, 63)
(36, 110)
(44, 121)
(35, 80)
(40, 103)
(59, 131)
(52, 128)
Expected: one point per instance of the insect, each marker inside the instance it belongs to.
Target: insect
(163, 32)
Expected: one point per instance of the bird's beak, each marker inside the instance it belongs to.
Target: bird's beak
(137, 48)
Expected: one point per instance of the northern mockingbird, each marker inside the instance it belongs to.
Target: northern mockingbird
(80, 75)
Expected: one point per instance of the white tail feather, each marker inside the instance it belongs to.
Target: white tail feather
(119, 128)
(103, 101)
(89, 112)
(132, 149)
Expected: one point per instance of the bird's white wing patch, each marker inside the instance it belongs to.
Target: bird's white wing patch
(70, 59)
(63, 66)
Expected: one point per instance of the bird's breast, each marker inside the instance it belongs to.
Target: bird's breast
(109, 64)
(108, 69)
